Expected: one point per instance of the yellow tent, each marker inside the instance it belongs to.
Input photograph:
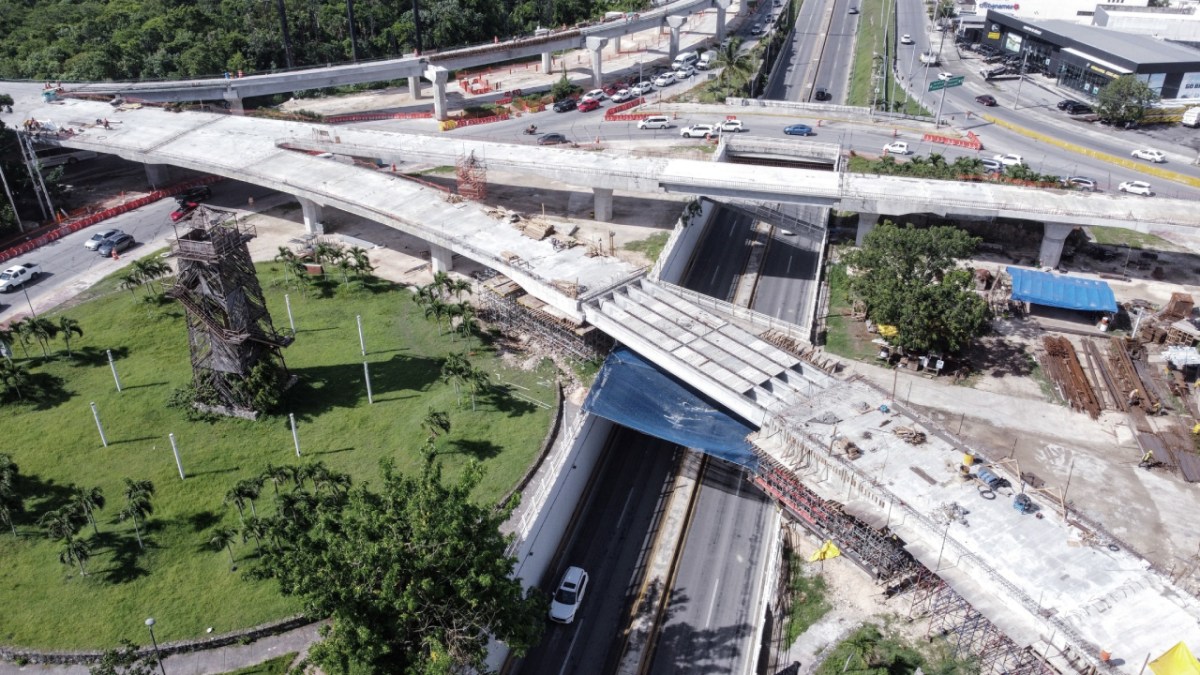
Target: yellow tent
(1177, 660)
(828, 550)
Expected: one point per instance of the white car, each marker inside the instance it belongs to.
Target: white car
(732, 126)
(569, 595)
(684, 72)
(698, 131)
(896, 148)
(596, 95)
(906, 39)
(1150, 155)
(1010, 160)
(945, 75)
(622, 95)
(664, 80)
(98, 238)
(642, 88)
(1136, 187)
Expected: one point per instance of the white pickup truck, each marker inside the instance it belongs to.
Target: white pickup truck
(17, 276)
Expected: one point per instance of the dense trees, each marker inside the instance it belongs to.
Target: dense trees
(1125, 99)
(907, 278)
(145, 39)
(414, 575)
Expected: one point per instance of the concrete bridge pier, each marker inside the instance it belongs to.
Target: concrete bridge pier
(602, 204)
(596, 45)
(438, 76)
(722, 7)
(158, 175)
(312, 216)
(617, 45)
(1053, 238)
(866, 223)
(414, 86)
(234, 102)
(676, 24)
(441, 258)
(547, 64)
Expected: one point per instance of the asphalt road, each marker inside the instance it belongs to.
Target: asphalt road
(721, 255)
(784, 288)
(709, 627)
(610, 539)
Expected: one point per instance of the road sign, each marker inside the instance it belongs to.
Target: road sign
(937, 85)
(955, 81)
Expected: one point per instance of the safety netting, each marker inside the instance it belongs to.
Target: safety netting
(1051, 290)
(635, 393)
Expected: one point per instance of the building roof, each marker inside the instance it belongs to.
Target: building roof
(1138, 49)
(1050, 290)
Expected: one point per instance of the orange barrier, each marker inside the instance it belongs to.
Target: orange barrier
(972, 143)
(374, 117)
(626, 117)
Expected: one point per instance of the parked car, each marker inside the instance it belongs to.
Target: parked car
(731, 126)
(185, 209)
(685, 72)
(595, 95)
(118, 243)
(986, 100)
(1080, 183)
(991, 166)
(906, 39)
(588, 105)
(698, 131)
(98, 238)
(565, 105)
(569, 594)
(552, 139)
(1149, 154)
(623, 95)
(896, 148)
(1068, 102)
(798, 130)
(1009, 159)
(1079, 109)
(655, 122)
(18, 275)
(854, 10)
(1136, 187)
(642, 88)
(196, 194)
(822, 94)
(664, 80)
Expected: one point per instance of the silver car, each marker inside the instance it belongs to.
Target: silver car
(99, 238)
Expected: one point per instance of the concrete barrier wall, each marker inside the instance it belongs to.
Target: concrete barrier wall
(673, 261)
(811, 109)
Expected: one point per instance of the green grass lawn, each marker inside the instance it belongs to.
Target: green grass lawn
(841, 338)
(651, 246)
(177, 579)
(1116, 236)
(809, 601)
(869, 43)
(276, 666)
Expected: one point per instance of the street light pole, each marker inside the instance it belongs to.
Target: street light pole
(157, 655)
(1020, 79)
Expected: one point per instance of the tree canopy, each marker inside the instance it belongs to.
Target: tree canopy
(415, 576)
(907, 278)
(1125, 99)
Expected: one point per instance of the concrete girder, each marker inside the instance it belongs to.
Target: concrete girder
(722, 7)
(866, 223)
(595, 45)
(414, 86)
(602, 204)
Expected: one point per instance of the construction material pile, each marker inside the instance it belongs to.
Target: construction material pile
(1065, 372)
(910, 435)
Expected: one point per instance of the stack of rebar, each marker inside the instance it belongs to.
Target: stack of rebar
(1062, 365)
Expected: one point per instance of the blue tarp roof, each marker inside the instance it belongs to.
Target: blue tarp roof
(1056, 290)
(638, 394)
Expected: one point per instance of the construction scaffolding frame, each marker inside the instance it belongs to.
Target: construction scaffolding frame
(472, 177)
(504, 304)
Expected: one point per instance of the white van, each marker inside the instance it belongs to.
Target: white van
(1191, 118)
(707, 59)
(655, 122)
(684, 59)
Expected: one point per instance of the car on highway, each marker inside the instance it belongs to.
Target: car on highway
(655, 122)
(684, 72)
(1136, 187)
(1009, 159)
(906, 39)
(98, 238)
(588, 105)
(568, 595)
(945, 75)
(1068, 102)
(1079, 183)
(595, 95)
(642, 88)
(664, 80)
(991, 166)
(798, 130)
(623, 95)
(565, 105)
(731, 126)
(896, 148)
(118, 243)
(1078, 109)
(853, 10)
(986, 100)
(185, 209)
(822, 94)
(1149, 154)
(552, 139)
(698, 131)
(195, 194)
(18, 275)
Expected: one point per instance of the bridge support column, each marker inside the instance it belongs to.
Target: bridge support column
(441, 258)
(437, 76)
(547, 64)
(234, 103)
(158, 175)
(312, 216)
(722, 7)
(602, 204)
(596, 45)
(414, 86)
(1053, 238)
(676, 24)
(617, 45)
(866, 223)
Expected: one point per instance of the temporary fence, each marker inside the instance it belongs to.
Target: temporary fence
(447, 125)
(618, 114)
(87, 221)
(373, 117)
(971, 142)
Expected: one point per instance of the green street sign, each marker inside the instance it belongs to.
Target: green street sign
(955, 81)
(937, 85)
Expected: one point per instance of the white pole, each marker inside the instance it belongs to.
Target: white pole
(113, 365)
(1020, 79)
(291, 322)
(937, 121)
(367, 376)
(295, 437)
(99, 427)
(175, 450)
(362, 344)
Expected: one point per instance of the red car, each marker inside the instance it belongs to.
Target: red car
(588, 104)
(182, 212)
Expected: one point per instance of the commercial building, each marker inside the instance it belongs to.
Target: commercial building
(1079, 11)
(1085, 58)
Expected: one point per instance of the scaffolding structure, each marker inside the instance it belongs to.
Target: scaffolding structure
(505, 304)
(229, 328)
(472, 177)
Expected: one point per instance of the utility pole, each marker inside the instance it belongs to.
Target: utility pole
(287, 38)
(1020, 79)
(937, 120)
(350, 21)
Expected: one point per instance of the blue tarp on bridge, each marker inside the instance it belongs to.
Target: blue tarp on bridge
(1056, 290)
(638, 394)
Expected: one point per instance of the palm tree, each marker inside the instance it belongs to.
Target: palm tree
(362, 261)
(277, 475)
(68, 327)
(478, 380)
(454, 370)
(437, 309)
(467, 324)
(24, 336)
(251, 489)
(9, 471)
(222, 538)
(442, 283)
(344, 265)
(131, 281)
(61, 523)
(14, 378)
(435, 423)
(150, 269)
(254, 527)
(288, 258)
(458, 287)
(735, 65)
(11, 506)
(336, 481)
(137, 504)
(43, 330)
(76, 551)
(88, 501)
